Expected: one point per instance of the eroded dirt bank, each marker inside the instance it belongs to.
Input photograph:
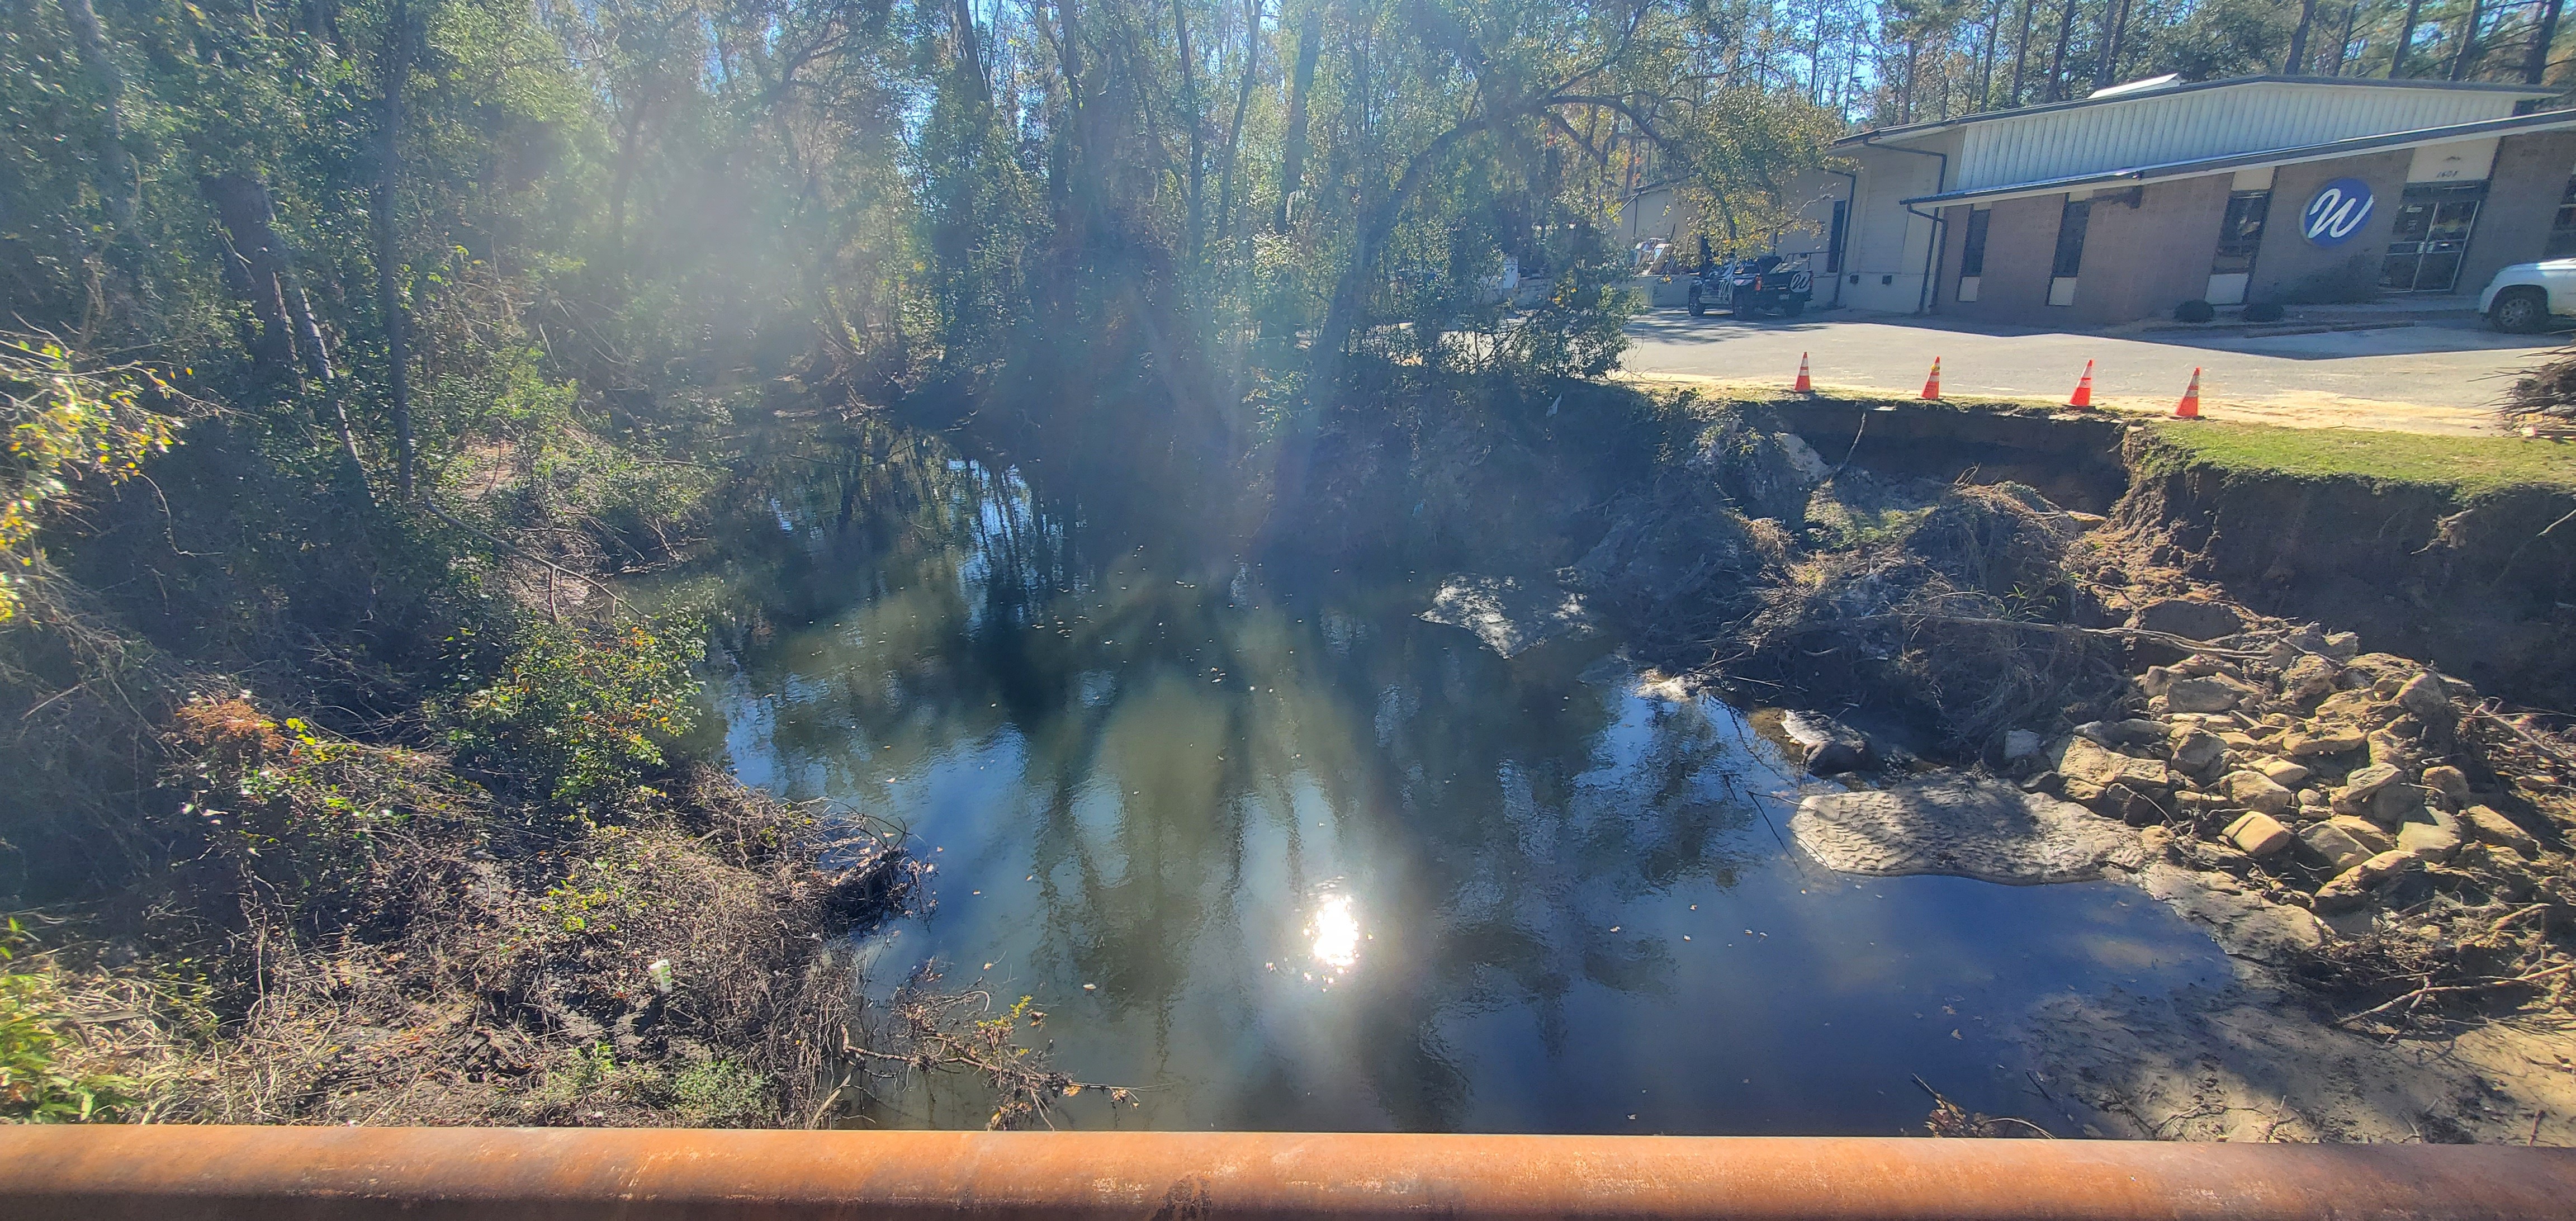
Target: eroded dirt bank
(2312, 715)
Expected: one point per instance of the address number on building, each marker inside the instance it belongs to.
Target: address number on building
(2335, 213)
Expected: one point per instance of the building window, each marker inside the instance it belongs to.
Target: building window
(2070, 239)
(1834, 236)
(1972, 253)
(2070, 251)
(2241, 234)
(2430, 236)
(2562, 229)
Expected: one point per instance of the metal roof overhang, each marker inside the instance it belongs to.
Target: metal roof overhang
(1909, 131)
(2547, 120)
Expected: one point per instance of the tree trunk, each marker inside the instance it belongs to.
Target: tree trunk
(1986, 57)
(1193, 202)
(2296, 63)
(116, 181)
(2405, 40)
(2021, 53)
(2343, 45)
(2115, 28)
(241, 205)
(1292, 145)
(394, 62)
(2057, 62)
(2466, 57)
(2536, 65)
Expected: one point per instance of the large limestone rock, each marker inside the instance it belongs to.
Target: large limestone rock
(1961, 826)
(2093, 763)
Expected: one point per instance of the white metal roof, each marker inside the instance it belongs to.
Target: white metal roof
(2194, 122)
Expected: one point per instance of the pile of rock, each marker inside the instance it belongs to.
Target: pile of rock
(2329, 778)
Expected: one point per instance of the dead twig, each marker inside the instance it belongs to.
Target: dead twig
(2420, 995)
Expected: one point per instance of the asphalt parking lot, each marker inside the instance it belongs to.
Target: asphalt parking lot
(2440, 375)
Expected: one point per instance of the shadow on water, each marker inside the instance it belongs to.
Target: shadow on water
(1287, 857)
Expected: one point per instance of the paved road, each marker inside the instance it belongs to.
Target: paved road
(2431, 377)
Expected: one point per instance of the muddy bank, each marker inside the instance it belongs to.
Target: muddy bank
(2284, 707)
(2483, 585)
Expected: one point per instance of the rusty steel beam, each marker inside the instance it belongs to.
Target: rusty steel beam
(293, 1174)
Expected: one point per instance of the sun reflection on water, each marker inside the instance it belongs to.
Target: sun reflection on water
(1337, 932)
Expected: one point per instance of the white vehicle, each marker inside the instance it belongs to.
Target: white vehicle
(2524, 297)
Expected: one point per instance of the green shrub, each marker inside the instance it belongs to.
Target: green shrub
(35, 1087)
(580, 714)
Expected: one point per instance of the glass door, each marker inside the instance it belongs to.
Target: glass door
(2431, 235)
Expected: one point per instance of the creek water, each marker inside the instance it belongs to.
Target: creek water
(1281, 855)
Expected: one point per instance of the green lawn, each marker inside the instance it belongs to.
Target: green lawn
(2474, 465)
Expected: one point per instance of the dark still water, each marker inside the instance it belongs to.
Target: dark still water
(1285, 856)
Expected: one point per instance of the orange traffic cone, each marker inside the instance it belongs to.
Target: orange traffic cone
(2083, 396)
(1932, 384)
(2189, 407)
(1805, 385)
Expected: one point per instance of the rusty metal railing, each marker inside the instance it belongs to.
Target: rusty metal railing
(293, 1174)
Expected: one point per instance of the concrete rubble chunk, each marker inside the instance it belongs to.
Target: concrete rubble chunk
(2201, 695)
(2346, 706)
(2197, 749)
(2425, 696)
(2370, 835)
(2282, 772)
(2350, 889)
(2394, 804)
(2189, 619)
(2450, 782)
(1830, 747)
(2342, 646)
(2255, 791)
(2365, 781)
(1962, 826)
(2309, 679)
(2020, 744)
(2490, 827)
(2333, 845)
(2320, 740)
(2435, 835)
(2082, 760)
(2258, 835)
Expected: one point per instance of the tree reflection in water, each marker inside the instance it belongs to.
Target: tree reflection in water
(1324, 865)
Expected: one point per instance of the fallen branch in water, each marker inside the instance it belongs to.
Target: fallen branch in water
(2184, 643)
